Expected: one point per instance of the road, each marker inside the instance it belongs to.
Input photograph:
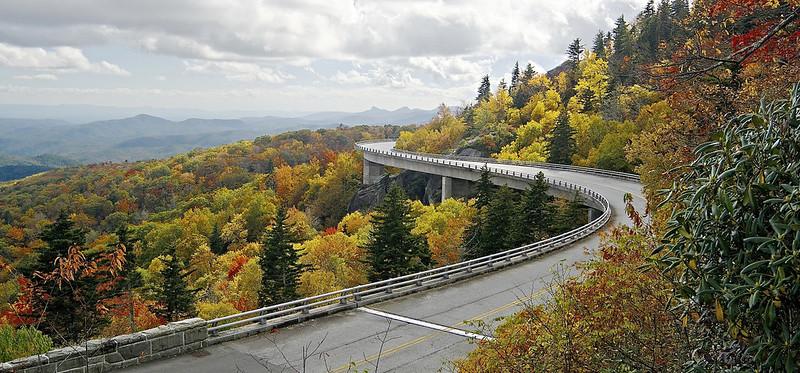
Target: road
(354, 340)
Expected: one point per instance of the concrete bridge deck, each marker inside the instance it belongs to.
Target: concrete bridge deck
(350, 341)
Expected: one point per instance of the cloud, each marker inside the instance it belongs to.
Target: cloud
(36, 77)
(328, 29)
(55, 60)
(240, 71)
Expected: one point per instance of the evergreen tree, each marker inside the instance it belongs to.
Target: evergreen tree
(68, 311)
(493, 228)
(571, 215)
(647, 38)
(215, 241)
(536, 213)
(59, 237)
(175, 299)
(599, 45)
(130, 279)
(485, 188)
(502, 85)
(280, 265)
(574, 52)
(485, 90)
(528, 74)
(620, 62)
(392, 250)
(514, 78)
(562, 143)
(664, 22)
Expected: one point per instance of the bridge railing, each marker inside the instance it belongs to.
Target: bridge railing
(335, 301)
(551, 166)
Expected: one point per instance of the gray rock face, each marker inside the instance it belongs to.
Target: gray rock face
(470, 152)
(417, 185)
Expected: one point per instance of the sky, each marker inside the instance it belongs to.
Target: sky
(281, 55)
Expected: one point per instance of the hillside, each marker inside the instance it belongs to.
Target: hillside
(150, 137)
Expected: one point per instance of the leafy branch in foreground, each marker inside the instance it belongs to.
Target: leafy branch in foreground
(734, 238)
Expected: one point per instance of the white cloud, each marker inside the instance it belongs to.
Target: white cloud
(240, 71)
(55, 60)
(36, 77)
(332, 29)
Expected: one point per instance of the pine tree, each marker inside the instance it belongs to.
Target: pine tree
(502, 85)
(571, 215)
(485, 90)
(529, 73)
(392, 249)
(68, 311)
(493, 228)
(130, 279)
(620, 62)
(485, 188)
(599, 45)
(59, 237)
(574, 52)
(647, 38)
(215, 241)
(175, 299)
(514, 78)
(280, 263)
(535, 217)
(562, 143)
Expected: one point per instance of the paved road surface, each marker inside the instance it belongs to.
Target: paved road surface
(351, 341)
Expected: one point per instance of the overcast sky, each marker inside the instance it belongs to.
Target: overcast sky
(281, 55)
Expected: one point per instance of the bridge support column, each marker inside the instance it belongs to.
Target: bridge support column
(373, 172)
(594, 214)
(447, 188)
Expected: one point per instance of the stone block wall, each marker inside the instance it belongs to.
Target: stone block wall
(103, 355)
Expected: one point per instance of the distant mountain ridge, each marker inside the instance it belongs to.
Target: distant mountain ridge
(145, 136)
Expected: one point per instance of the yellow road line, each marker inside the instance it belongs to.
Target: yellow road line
(402, 346)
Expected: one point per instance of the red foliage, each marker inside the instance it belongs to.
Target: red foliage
(236, 266)
(329, 231)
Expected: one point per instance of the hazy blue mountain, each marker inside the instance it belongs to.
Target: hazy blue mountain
(31, 145)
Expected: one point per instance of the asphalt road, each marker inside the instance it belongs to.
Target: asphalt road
(354, 340)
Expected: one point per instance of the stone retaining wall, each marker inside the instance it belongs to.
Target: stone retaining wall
(103, 355)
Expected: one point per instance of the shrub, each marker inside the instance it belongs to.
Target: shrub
(734, 239)
(21, 342)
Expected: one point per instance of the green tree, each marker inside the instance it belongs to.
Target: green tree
(22, 342)
(129, 278)
(562, 142)
(535, 213)
(733, 239)
(65, 301)
(493, 228)
(571, 215)
(599, 45)
(574, 52)
(59, 237)
(485, 90)
(215, 241)
(175, 299)
(514, 79)
(392, 249)
(620, 62)
(280, 263)
(485, 188)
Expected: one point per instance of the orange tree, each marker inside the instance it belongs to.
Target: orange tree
(614, 317)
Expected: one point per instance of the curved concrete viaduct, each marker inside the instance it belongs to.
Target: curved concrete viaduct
(427, 328)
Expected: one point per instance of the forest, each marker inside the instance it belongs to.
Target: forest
(701, 100)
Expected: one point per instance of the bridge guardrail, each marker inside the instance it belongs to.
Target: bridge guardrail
(552, 166)
(335, 301)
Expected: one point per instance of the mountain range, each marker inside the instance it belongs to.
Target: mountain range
(39, 144)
